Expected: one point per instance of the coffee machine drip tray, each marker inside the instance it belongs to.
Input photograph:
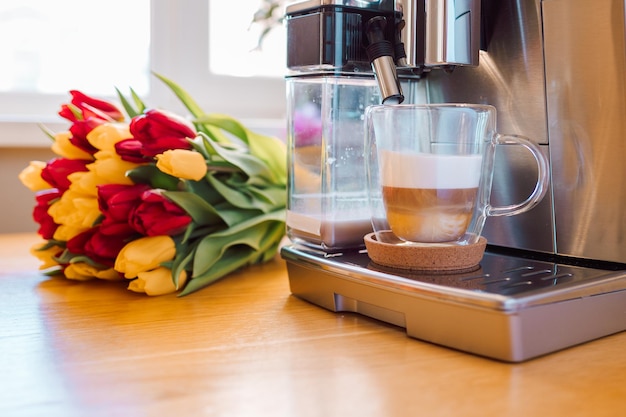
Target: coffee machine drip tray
(511, 309)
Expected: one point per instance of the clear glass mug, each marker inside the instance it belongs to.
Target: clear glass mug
(430, 169)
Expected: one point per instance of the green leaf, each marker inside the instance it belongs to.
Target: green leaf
(182, 95)
(278, 215)
(270, 150)
(215, 133)
(48, 132)
(226, 123)
(200, 210)
(272, 242)
(238, 256)
(273, 152)
(64, 257)
(141, 107)
(205, 190)
(273, 196)
(188, 232)
(53, 271)
(233, 215)
(240, 158)
(128, 107)
(50, 243)
(181, 261)
(213, 247)
(249, 232)
(234, 197)
(234, 258)
(151, 175)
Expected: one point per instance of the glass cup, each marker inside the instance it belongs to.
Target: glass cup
(430, 170)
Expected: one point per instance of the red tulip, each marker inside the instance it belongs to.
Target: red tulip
(116, 201)
(104, 248)
(159, 131)
(131, 150)
(156, 215)
(98, 246)
(86, 113)
(47, 226)
(110, 227)
(57, 170)
(80, 129)
(90, 107)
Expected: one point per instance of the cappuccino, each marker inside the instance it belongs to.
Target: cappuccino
(429, 198)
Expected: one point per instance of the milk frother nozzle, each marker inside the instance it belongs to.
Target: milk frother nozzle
(381, 56)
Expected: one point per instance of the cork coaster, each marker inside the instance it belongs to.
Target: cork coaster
(431, 257)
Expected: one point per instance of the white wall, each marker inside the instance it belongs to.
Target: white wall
(17, 201)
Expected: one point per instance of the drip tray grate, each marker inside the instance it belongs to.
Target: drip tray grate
(509, 308)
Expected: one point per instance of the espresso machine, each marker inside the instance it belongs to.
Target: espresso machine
(551, 278)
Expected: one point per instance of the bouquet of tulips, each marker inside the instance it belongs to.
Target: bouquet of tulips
(168, 204)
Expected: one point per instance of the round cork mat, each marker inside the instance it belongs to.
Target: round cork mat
(427, 257)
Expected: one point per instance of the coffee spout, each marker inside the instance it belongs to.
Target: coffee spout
(381, 55)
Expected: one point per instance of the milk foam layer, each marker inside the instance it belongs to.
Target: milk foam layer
(429, 171)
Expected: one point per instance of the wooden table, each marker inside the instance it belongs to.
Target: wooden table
(246, 347)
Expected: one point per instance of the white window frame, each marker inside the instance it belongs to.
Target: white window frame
(179, 51)
(184, 22)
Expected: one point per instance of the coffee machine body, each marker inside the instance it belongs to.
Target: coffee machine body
(550, 278)
(556, 71)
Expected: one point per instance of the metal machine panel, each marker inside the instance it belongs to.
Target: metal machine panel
(510, 77)
(510, 309)
(585, 50)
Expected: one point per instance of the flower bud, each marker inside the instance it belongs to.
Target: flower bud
(47, 225)
(159, 131)
(105, 136)
(110, 168)
(81, 271)
(182, 163)
(47, 255)
(88, 106)
(157, 282)
(116, 201)
(31, 176)
(57, 170)
(156, 215)
(64, 147)
(144, 254)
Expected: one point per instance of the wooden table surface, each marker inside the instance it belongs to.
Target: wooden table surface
(246, 347)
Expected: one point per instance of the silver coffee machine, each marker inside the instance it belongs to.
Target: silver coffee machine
(556, 71)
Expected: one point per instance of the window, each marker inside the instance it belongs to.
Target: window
(181, 51)
(51, 47)
(238, 52)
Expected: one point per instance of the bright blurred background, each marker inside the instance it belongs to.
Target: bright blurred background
(211, 48)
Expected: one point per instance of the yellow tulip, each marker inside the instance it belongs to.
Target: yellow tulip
(84, 183)
(75, 210)
(157, 282)
(105, 136)
(65, 233)
(64, 148)
(45, 255)
(81, 271)
(182, 163)
(31, 176)
(109, 168)
(144, 254)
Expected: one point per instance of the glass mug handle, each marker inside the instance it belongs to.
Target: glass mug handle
(541, 187)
